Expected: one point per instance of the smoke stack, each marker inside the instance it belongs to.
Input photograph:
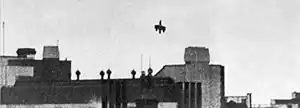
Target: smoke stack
(102, 73)
(77, 74)
(108, 72)
(51, 52)
(196, 55)
(133, 72)
(26, 53)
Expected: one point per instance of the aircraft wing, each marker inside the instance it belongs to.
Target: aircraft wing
(163, 28)
(156, 27)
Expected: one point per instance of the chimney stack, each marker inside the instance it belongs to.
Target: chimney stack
(51, 52)
(150, 71)
(143, 74)
(26, 53)
(133, 72)
(78, 74)
(108, 72)
(196, 55)
(102, 74)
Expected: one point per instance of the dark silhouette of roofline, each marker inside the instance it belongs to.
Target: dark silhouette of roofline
(173, 65)
(8, 56)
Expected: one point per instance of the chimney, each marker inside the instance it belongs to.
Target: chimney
(196, 55)
(150, 71)
(102, 73)
(143, 74)
(26, 53)
(78, 74)
(133, 72)
(51, 52)
(108, 72)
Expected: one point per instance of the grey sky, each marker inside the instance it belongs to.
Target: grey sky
(257, 40)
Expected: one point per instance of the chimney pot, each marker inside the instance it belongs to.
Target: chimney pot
(143, 74)
(108, 72)
(102, 73)
(150, 72)
(78, 74)
(133, 72)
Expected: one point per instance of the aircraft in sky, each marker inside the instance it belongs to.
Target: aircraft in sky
(160, 27)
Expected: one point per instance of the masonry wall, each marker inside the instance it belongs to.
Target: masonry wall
(212, 79)
(200, 73)
(46, 69)
(217, 85)
(198, 69)
(90, 105)
(8, 73)
(79, 92)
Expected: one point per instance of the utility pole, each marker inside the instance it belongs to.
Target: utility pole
(2, 26)
(3, 51)
(149, 61)
(3, 37)
(141, 62)
(2, 22)
(57, 42)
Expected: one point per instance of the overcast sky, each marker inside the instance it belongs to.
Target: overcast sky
(256, 40)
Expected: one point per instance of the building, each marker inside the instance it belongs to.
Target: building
(287, 103)
(48, 81)
(197, 69)
(8, 73)
(239, 101)
(195, 84)
(24, 65)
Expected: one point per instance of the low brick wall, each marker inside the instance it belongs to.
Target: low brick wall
(96, 105)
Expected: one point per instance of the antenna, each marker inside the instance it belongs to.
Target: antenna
(2, 27)
(57, 42)
(142, 62)
(149, 61)
(3, 37)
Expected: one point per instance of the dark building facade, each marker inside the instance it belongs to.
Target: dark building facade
(47, 69)
(114, 91)
(51, 84)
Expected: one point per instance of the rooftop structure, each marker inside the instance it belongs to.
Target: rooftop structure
(198, 69)
(48, 82)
